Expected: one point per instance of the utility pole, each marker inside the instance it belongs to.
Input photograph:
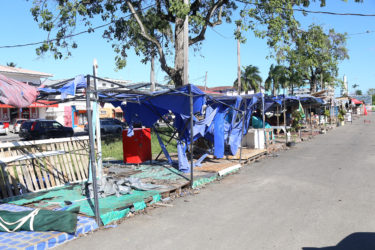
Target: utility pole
(186, 48)
(238, 63)
(152, 74)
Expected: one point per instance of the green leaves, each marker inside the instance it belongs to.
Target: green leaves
(316, 55)
(250, 78)
(178, 8)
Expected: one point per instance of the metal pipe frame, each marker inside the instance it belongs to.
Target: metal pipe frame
(191, 138)
(92, 153)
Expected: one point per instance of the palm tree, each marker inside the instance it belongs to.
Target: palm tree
(277, 78)
(250, 79)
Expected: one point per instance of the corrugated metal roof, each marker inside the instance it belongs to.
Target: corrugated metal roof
(7, 69)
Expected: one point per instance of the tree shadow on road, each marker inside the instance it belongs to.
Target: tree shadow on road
(354, 241)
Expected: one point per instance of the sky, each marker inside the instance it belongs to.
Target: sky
(217, 57)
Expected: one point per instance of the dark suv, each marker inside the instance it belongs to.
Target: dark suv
(43, 129)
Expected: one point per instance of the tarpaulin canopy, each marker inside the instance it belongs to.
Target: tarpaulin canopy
(355, 101)
(220, 118)
(16, 93)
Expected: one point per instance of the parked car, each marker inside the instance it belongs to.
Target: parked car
(3, 129)
(43, 129)
(117, 121)
(16, 125)
(108, 126)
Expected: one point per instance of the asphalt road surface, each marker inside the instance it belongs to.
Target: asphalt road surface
(318, 194)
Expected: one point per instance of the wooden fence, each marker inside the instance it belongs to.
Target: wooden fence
(31, 166)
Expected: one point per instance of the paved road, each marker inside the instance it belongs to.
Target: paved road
(9, 137)
(313, 195)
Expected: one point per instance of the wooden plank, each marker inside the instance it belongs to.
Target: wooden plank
(48, 169)
(43, 168)
(2, 180)
(86, 152)
(30, 156)
(28, 169)
(7, 184)
(20, 174)
(215, 167)
(7, 176)
(84, 156)
(56, 167)
(75, 161)
(13, 176)
(4, 193)
(36, 165)
(64, 162)
(78, 152)
(40, 142)
(21, 177)
(61, 165)
(69, 161)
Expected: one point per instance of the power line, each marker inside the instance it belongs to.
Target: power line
(223, 36)
(313, 11)
(104, 25)
(67, 36)
(335, 13)
(362, 33)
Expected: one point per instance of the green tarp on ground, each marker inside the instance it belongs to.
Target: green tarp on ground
(39, 220)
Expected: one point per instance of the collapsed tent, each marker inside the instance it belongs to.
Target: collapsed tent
(220, 120)
(16, 93)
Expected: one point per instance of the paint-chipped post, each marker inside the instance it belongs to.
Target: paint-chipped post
(92, 161)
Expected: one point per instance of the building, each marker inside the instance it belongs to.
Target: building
(35, 110)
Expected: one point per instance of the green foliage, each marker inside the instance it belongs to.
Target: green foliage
(340, 117)
(297, 118)
(278, 77)
(154, 28)
(326, 113)
(358, 92)
(373, 99)
(316, 55)
(371, 91)
(250, 79)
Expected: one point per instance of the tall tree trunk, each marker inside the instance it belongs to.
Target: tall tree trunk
(273, 89)
(313, 84)
(179, 52)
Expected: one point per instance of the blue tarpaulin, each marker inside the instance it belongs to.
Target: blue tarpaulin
(220, 119)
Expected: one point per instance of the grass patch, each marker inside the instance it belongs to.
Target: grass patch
(112, 145)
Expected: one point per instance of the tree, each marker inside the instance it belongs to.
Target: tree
(11, 64)
(316, 55)
(358, 92)
(277, 78)
(371, 91)
(250, 79)
(151, 27)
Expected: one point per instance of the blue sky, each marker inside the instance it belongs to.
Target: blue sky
(218, 55)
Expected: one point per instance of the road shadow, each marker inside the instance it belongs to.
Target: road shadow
(354, 241)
